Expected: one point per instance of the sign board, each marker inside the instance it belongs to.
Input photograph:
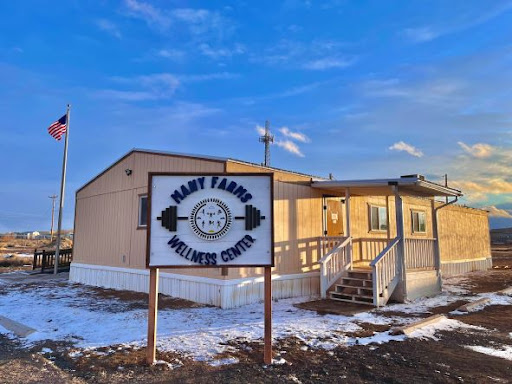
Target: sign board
(210, 220)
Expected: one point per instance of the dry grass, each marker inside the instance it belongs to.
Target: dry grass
(9, 261)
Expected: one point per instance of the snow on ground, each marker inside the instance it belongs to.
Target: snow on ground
(429, 331)
(69, 312)
(504, 353)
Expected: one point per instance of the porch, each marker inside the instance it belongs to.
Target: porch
(375, 269)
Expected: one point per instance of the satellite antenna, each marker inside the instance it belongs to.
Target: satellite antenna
(267, 138)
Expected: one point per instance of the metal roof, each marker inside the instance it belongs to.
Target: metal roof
(414, 185)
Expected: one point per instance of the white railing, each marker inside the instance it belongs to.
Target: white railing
(328, 243)
(420, 254)
(386, 273)
(367, 249)
(333, 264)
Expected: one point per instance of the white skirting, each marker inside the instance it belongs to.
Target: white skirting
(452, 268)
(220, 293)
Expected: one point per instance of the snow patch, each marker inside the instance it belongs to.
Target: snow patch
(429, 331)
(504, 353)
(226, 361)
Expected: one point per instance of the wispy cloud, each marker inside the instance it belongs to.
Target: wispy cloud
(195, 21)
(404, 147)
(154, 86)
(287, 140)
(420, 34)
(328, 63)
(294, 135)
(498, 212)
(317, 55)
(173, 54)
(109, 27)
(154, 17)
(457, 23)
(441, 92)
(479, 150)
(289, 146)
(221, 53)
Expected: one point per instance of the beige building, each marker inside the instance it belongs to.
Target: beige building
(361, 241)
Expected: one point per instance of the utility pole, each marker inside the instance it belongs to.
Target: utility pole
(53, 197)
(446, 183)
(267, 138)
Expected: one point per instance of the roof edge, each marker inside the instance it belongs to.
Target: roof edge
(154, 152)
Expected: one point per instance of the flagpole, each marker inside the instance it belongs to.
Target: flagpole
(62, 187)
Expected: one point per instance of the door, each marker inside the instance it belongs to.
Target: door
(333, 216)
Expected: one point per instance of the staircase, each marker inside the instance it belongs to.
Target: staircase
(355, 287)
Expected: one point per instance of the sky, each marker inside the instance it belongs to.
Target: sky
(359, 89)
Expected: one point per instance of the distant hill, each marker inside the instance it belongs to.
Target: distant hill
(501, 230)
(501, 236)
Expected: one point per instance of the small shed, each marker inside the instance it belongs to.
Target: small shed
(363, 241)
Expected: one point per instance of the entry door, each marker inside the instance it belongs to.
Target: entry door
(333, 216)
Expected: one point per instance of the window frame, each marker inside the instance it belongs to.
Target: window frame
(418, 212)
(139, 216)
(379, 210)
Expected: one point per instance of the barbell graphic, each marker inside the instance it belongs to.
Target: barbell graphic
(169, 218)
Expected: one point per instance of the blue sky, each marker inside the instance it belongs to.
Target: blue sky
(360, 89)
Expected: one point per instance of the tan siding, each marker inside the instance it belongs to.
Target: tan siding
(107, 214)
(463, 233)
(107, 211)
(297, 226)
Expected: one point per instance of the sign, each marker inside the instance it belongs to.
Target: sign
(210, 220)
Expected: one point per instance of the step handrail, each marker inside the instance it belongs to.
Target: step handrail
(381, 255)
(386, 273)
(333, 264)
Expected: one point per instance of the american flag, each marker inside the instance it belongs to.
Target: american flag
(58, 128)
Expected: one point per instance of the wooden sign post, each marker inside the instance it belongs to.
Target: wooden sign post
(267, 351)
(152, 315)
(211, 220)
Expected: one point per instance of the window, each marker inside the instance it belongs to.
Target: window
(143, 211)
(378, 218)
(418, 222)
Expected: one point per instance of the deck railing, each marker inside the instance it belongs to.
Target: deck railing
(420, 254)
(333, 264)
(328, 243)
(366, 249)
(386, 273)
(46, 259)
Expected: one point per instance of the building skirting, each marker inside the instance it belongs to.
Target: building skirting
(422, 284)
(220, 293)
(459, 267)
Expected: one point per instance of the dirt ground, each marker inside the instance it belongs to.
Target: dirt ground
(445, 360)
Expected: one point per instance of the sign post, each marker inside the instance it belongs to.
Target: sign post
(267, 352)
(152, 315)
(211, 220)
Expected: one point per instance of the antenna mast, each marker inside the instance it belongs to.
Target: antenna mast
(267, 138)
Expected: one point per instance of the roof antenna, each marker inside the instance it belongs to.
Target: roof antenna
(267, 138)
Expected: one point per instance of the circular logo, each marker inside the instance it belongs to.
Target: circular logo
(210, 219)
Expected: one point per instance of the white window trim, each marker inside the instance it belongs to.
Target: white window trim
(139, 225)
(370, 217)
(418, 211)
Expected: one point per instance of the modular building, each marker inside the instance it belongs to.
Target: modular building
(364, 241)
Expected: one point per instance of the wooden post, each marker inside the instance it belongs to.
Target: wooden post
(399, 212)
(43, 262)
(435, 232)
(152, 315)
(267, 353)
(348, 232)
